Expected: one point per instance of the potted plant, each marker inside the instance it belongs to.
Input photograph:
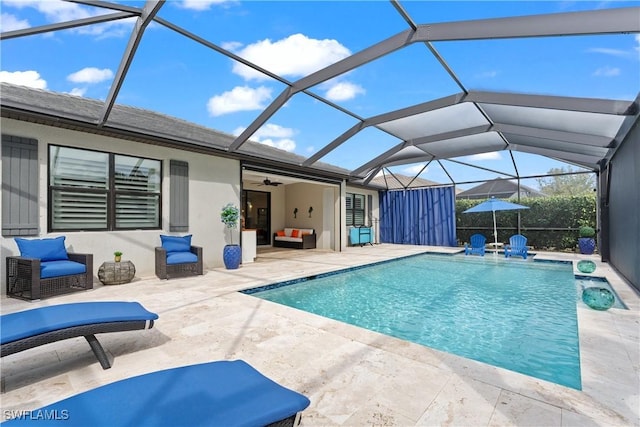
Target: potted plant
(586, 241)
(117, 256)
(232, 254)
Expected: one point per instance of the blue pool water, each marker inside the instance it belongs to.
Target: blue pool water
(508, 313)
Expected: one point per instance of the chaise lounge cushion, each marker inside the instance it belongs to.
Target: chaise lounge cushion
(176, 243)
(32, 322)
(221, 393)
(61, 268)
(43, 249)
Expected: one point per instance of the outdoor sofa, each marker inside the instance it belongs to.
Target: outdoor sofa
(297, 238)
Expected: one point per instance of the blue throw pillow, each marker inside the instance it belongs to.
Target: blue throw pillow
(176, 243)
(43, 249)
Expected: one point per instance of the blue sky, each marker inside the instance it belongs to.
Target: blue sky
(176, 76)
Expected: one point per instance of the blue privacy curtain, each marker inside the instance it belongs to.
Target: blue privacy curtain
(423, 216)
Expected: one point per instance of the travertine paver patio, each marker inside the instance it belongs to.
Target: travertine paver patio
(352, 376)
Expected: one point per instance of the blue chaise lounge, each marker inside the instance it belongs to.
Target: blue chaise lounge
(222, 393)
(45, 268)
(38, 326)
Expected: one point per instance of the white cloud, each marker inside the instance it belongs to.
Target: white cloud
(9, 22)
(414, 170)
(495, 155)
(607, 72)
(607, 51)
(200, 4)
(240, 98)
(24, 78)
(294, 56)
(90, 75)
(271, 130)
(344, 91)
(78, 91)
(283, 144)
(60, 11)
(487, 74)
(273, 135)
(231, 46)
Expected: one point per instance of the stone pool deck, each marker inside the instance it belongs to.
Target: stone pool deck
(352, 376)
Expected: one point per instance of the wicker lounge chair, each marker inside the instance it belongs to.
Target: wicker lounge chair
(477, 245)
(45, 268)
(517, 246)
(223, 393)
(178, 258)
(38, 326)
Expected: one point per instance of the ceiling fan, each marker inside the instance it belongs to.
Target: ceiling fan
(267, 181)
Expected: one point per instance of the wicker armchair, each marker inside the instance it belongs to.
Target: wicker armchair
(24, 282)
(168, 271)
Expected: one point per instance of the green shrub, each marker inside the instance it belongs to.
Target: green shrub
(549, 223)
(586, 231)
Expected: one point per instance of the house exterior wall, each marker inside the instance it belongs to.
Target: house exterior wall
(374, 221)
(303, 196)
(278, 196)
(213, 182)
(624, 206)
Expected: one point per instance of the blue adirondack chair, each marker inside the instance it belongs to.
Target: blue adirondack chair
(517, 246)
(477, 245)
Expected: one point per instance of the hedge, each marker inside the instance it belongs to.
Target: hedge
(550, 223)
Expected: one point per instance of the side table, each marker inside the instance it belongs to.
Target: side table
(116, 273)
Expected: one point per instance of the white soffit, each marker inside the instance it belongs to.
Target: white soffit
(465, 145)
(447, 119)
(568, 121)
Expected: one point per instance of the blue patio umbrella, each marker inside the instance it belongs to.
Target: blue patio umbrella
(493, 205)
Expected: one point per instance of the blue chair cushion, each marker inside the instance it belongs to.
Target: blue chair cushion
(176, 243)
(181, 257)
(36, 321)
(61, 268)
(221, 393)
(43, 249)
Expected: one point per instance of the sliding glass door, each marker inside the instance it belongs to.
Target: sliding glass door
(257, 214)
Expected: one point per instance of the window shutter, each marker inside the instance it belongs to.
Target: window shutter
(19, 186)
(179, 196)
(370, 209)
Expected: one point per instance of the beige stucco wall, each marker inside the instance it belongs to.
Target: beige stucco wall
(214, 181)
(375, 220)
(303, 196)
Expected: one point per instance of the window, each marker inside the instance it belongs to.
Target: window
(355, 209)
(93, 190)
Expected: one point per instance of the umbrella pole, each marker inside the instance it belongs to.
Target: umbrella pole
(495, 232)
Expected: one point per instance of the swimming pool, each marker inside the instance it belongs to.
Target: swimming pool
(516, 315)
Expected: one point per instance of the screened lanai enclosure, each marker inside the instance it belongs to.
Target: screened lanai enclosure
(442, 94)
